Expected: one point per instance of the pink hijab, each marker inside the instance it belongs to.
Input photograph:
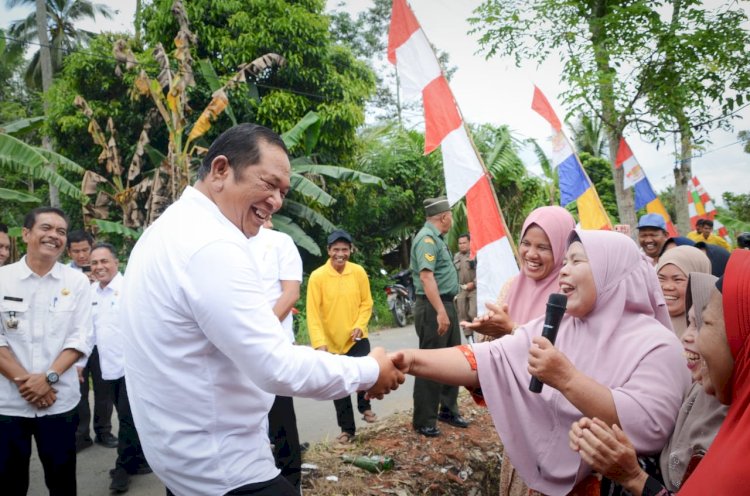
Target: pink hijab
(624, 343)
(527, 298)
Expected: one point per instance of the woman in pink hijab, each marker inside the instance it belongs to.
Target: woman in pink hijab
(614, 358)
(544, 237)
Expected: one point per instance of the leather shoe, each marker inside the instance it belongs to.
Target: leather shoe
(120, 481)
(454, 420)
(106, 440)
(428, 431)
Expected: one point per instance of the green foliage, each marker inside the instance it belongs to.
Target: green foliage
(518, 192)
(64, 37)
(319, 75)
(18, 196)
(699, 74)
(15, 155)
(738, 205)
(667, 198)
(600, 173)
(382, 220)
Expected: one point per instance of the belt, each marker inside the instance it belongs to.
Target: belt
(444, 297)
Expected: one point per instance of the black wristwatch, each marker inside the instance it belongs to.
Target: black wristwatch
(52, 377)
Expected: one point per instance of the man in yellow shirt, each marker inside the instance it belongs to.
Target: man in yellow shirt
(704, 232)
(339, 306)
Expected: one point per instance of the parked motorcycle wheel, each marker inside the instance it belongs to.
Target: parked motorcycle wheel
(399, 311)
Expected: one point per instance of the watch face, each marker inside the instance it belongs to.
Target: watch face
(52, 377)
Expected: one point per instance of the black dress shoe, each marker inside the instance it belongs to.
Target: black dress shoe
(120, 480)
(454, 420)
(428, 431)
(83, 443)
(106, 440)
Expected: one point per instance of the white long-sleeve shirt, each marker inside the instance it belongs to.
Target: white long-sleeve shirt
(105, 316)
(205, 355)
(39, 318)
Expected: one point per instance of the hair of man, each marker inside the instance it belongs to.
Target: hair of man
(240, 145)
(80, 235)
(106, 246)
(30, 219)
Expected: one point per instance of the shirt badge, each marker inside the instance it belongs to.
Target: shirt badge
(429, 240)
(12, 322)
(429, 258)
(65, 292)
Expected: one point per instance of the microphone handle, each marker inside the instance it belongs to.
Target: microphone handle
(549, 332)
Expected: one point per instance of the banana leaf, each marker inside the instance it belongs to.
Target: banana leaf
(21, 126)
(304, 212)
(109, 227)
(22, 157)
(300, 238)
(336, 172)
(18, 196)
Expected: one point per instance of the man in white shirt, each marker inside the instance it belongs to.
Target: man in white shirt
(45, 318)
(204, 352)
(79, 250)
(281, 265)
(106, 295)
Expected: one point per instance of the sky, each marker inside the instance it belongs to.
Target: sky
(495, 91)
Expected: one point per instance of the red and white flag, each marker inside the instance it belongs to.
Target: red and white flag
(420, 74)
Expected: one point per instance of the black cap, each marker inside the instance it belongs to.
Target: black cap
(337, 235)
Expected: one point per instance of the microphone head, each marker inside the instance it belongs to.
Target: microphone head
(558, 300)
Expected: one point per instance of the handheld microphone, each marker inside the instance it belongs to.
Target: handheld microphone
(555, 310)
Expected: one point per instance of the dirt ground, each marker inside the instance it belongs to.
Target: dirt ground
(463, 462)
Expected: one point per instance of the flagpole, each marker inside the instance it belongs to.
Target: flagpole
(591, 184)
(478, 155)
(488, 177)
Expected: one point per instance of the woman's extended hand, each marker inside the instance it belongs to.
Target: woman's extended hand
(609, 451)
(496, 322)
(548, 364)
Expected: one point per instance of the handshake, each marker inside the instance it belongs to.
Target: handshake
(392, 366)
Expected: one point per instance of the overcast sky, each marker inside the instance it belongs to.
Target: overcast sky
(495, 91)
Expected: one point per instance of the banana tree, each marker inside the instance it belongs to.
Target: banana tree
(33, 161)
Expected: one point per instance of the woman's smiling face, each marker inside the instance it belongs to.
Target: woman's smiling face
(577, 281)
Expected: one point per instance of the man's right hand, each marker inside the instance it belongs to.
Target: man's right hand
(80, 374)
(47, 400)
(389, 377)
(443, 321)
(33, 387)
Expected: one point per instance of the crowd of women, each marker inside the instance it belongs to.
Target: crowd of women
(645, 387)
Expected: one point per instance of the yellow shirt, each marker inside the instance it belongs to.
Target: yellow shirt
(712, 239)
(336, 305)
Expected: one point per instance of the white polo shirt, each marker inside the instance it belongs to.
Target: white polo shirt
(39, 318)
(205, 355)
(279, 260)
(105, 316)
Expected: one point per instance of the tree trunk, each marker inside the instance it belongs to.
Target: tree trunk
(46, 63)
(624, 196)
(682, 174)
(611, 121)
(137, 23)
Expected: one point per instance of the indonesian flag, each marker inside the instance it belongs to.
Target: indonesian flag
(575, 185)
(644, 194)
(420, 74)
(700, 205)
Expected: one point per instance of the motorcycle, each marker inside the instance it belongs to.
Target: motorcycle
(400, 296)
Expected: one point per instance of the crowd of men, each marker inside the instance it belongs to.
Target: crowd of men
(194, 347)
